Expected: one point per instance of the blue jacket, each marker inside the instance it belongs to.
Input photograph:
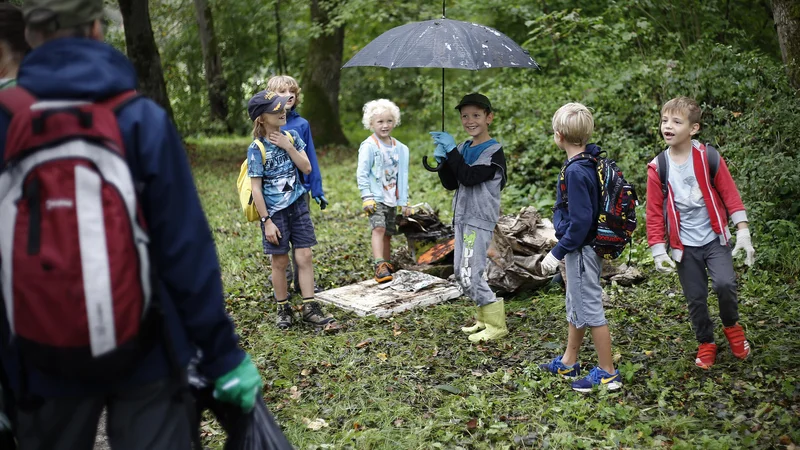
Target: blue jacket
(313, 181)
(576, 222)
(370, 169)
(182, 249)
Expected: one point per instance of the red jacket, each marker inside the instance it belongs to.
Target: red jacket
(722, 200)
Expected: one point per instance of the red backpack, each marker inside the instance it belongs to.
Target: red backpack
(74, 264)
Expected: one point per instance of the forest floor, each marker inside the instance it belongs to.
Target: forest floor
(413, 381)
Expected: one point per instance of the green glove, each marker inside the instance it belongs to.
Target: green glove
(239, 386)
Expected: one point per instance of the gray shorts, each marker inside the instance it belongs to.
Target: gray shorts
(384, 217)
(584, 294)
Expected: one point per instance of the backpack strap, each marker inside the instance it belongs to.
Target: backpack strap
(289, 135)
(713, 163)
(15, 99)
(663, 165)
(562, 178)
(260, 146)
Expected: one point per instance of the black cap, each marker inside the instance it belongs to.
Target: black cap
(475, 99)
(266, 102)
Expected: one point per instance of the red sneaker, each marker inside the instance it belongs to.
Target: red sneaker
(706, 355)
(739, 345)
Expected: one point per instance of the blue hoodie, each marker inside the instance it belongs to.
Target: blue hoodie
(182, 248)
(576, 223)
(313, 181)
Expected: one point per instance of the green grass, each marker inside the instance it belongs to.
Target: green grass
(413, 381)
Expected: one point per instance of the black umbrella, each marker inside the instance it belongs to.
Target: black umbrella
(445, 43)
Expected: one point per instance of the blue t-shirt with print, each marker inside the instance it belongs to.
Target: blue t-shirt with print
(280, 178)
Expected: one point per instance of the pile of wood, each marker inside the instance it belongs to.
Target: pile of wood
(519, 244)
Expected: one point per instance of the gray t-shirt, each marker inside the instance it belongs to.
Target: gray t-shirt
(696, 228)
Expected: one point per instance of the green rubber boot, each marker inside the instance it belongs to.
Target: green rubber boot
(494, 317)
(479, 325)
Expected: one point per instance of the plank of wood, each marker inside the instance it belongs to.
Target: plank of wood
(408, 290)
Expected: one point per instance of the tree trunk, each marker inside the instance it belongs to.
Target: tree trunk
(321, 78)
(215, 81)
(143, 52)
(786, 14)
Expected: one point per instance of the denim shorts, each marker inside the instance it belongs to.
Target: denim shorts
(584, 293)
(384, 217)
(294, 224)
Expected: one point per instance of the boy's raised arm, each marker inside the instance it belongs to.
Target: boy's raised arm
(468, 175)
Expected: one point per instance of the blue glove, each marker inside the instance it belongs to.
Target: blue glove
(321, 201)
(439, 153)
(444, 139)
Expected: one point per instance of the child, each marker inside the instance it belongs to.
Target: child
(278, 196)
(382, 177)
(476, 170)
(287, 86)
(575, 220)
(693, 221)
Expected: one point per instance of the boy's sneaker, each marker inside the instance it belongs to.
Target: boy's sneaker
(382, 272)
(739, 345)
(391, 267)
(313, 314)
(706, 355)
(598, 377)
(284, 319)
(559, 368)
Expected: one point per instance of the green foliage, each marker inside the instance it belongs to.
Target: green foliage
(622, 58)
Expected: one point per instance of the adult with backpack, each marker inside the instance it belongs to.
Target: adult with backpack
(108, 271)
(13, 48)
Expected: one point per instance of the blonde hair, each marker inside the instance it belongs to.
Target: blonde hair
(279, 83)
(375, 107)
(574, 122)
(259, 129)
(684, 105)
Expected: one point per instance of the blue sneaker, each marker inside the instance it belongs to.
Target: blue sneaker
(598, 377)
(557, 367)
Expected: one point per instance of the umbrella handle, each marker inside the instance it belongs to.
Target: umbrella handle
(428, 167)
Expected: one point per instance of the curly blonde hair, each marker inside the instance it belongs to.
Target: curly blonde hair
(375, 107)
(280, 83)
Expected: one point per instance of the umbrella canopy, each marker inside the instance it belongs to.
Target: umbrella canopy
(443, 43)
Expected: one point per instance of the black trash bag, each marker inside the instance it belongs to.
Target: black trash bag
(256, 430)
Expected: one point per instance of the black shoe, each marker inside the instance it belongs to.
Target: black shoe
(313, 314)
(285, 315)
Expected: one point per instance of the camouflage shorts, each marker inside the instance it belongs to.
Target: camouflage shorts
(384, 217)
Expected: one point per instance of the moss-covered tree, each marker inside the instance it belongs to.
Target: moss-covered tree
(321, 76)
(787, 22)
(143, 52)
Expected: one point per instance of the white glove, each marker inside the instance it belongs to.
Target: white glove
(743, 242)
(549, 264)
(661, 260)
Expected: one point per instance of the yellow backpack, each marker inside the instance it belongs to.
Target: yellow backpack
(244, 187)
